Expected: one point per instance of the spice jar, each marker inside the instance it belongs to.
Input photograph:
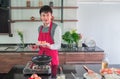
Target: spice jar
(32, 18)
(40, 3)
(51, 3)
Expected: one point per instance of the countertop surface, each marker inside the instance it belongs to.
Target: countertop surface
(15, 48)
(17, 71)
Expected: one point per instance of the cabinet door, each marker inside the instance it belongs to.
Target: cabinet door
(25, 57)
(74, 58)
(94, 57)
(8, 60)
(61, 58)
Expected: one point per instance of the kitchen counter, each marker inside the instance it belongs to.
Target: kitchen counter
(13, 48)
(15, 55)
(78, 70)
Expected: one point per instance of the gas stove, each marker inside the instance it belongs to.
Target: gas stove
(31, 68)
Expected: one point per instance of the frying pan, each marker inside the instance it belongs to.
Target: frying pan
(41, 59)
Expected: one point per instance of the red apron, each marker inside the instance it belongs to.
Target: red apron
(47, 37)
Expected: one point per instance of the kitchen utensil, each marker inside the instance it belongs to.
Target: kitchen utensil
(41, 59)
(73, 75)
(89, 76)
(86, 68)
(89, 71)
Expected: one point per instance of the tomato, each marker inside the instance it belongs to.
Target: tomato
(104, 70)
(107, 71)
(34, 76)
(30, 78)
(37, 77)
(118, 71)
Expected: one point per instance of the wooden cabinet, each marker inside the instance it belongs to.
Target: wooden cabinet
(93, 57)
(82, 57)
(61, 58)
(8, 60)
(74, 57)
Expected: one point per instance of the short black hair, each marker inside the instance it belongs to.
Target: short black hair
(45, 9)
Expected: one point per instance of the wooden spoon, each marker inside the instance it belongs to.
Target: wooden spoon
(88, 70)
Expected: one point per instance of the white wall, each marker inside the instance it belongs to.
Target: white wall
(101, 21)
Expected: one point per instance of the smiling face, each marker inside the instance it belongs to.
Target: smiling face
(46, 17)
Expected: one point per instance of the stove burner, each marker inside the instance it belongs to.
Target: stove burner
(31, 68)
(38, 68)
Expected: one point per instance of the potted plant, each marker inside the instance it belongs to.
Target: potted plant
(71, 37)
(20, 33)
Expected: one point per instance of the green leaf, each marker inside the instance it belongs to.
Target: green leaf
(71, 37)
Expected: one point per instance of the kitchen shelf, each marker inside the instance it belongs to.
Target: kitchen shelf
(13, 21)
(61, 7)
(55, 7)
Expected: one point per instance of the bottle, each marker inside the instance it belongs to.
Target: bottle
(28, 3)
(40, 3)
(51, 3)
(104, 63)
(61, 75)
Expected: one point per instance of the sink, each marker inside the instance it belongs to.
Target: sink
(8, 48)
(12, 48)
(2, 48)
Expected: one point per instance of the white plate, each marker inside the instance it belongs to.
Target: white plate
(95, 76)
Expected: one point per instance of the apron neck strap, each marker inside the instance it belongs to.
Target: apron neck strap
(50, 26)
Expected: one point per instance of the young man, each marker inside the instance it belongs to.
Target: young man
(49, 38)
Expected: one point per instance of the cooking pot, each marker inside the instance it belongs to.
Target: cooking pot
(41, 59)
